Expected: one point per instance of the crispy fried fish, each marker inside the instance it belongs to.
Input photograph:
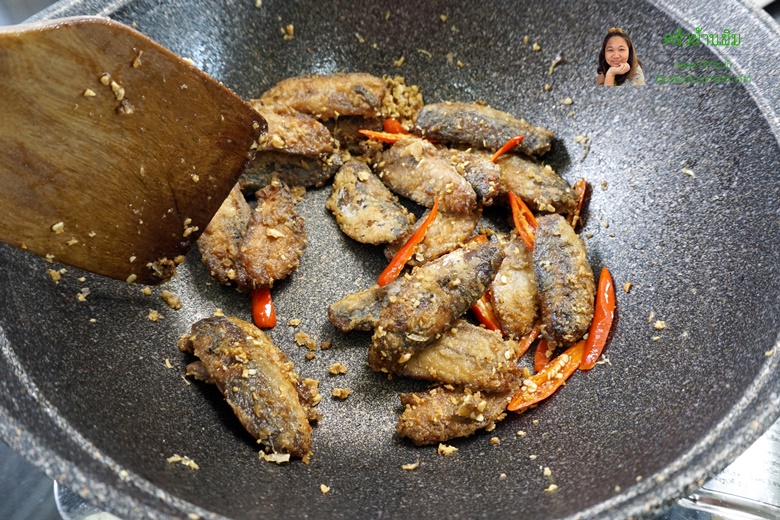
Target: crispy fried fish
(330, 96)
(365, 209)
(543, 190)
(220, 242)
(468, 356)
(440, 414)
(481, 126)
(412, 167)
(514, 293)
(262, 388)
(429, 301)
(477, 168)
(565, 281)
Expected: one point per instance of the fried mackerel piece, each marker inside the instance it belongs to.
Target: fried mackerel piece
(514, 291)
(440, 414)
(360, 310)
(219, 243)
(297, 149)
(365, 209)
(272, 402)
(330, 96)
(345, 130)
(565, 281)
(447, 232)
(477, 168)
(468, 356)
(274, 241)
(481, 126)
(428, 303)
(543, 190)
(413, 168)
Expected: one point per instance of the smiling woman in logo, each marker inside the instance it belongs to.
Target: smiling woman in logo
(618, 63)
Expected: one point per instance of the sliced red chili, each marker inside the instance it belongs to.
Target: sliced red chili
(603, 315)
(263, 312)
(403, 255)
(525, 222)
(511, 143)
(545, 383)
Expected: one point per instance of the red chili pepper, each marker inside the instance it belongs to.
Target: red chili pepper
(541, 358)
(580, 188)
(543, 384)
(263, 312)
(514, 141)
(403, 255)
(385, 137)
(525, 342)
(602, 320)
(483, 311)
(393, 126)
(525, 222)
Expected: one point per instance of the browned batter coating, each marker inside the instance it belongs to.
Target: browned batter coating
(274, 241)
(258, 383)
(220, 242)
(413, 168)
(565, 280)
(365, 209)
(360, 310)
(468, 356)
(477, 168)
(441, 414)
(514, 291)
(481, 126)
(297, 150)
(447, 232)
(429, 301)
(330, 96)
(345, 131)
(543, 190)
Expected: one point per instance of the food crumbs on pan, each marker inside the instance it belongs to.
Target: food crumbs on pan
(58, 228)
(168, 363)
(360, 39)
(184, 460)
(337, 369)
(324, 489)
(617, 489)
(153, 315)
(310, 356)
(188, 230)
(288, 32)
(547, 87)
(686, 171)
(325, 345)
(639, 478)
(258, 3)
(341, 393)
(294, 322)
(568, 101)
(54, 275)
(555, 62)
(105, 79)
(502, 476)
(118, 90)
(147, 290)
(769, 353)
(650, 317)
(627, 287)
(89, 93)
(551, 488)
(185, 380)
(659, 325)
(521, 433)
(399, 62)
(604, 361)
(535, 421)
(132, 278)
(92, 320)
(171, 299)
(536, 47)
(547, 471)
(656, 338)
(495, 441)
(411, 467)
(81, 297)
(304, 340)
(526, 40)
(137, 60)
(446, 450)
(277, 458)
(532, 457)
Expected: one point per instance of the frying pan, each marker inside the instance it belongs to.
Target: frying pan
(94, 405)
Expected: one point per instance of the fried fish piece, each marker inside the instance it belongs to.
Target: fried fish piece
(477, 168)
(565, 281)
(269, 398)
(274, 241)
(413, 168)
(479, 125)
(446, 233)
(468, 356)
(297, 149)
(543, 190)
(365, 209)
(514, 292)
(345, 130)
(440, 414)
(429, 301)
(220, 242)
(360, 310)
(330, 96)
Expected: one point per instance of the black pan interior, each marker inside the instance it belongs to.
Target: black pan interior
(94, 403)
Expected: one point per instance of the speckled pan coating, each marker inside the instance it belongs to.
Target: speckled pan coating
(95, 406)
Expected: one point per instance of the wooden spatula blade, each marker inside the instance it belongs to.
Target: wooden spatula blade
(114, 152)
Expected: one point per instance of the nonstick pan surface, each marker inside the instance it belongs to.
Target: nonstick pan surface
(85, 392)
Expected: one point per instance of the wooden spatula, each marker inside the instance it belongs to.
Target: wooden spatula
(114, 152)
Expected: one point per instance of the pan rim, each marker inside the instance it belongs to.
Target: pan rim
(743, 423)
